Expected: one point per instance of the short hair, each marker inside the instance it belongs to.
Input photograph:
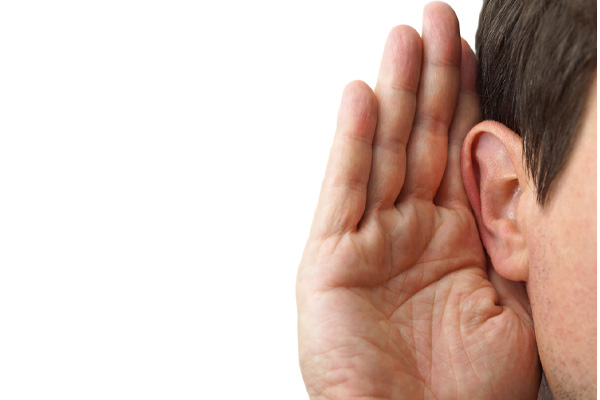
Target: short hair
(536, 62)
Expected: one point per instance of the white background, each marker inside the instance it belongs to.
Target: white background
(159, 166)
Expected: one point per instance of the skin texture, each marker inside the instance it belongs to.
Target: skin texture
(562, 271)
(552, 248)
(395, 297)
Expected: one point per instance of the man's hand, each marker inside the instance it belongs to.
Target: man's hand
(394, 297)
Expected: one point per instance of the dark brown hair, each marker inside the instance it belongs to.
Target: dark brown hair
(536, 62)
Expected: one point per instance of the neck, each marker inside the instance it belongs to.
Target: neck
(544, 392)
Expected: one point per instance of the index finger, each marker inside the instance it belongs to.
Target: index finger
(468, 113)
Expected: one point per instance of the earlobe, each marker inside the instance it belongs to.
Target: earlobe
(494, 179)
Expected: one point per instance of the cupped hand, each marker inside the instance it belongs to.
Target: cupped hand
(395, 298)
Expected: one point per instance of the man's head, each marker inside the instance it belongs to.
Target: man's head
(531, 174)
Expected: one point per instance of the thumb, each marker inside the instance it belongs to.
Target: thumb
(511, 294)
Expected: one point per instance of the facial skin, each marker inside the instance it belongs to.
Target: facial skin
(552, 249)
(562, 269)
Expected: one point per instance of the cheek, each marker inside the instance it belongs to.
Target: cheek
(562, 277)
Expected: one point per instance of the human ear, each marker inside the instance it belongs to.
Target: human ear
(495, 180)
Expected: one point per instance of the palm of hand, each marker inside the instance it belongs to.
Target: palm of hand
(394, 298)
(428, 324)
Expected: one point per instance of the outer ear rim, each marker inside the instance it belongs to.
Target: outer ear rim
(513, 144)
(468, 173)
